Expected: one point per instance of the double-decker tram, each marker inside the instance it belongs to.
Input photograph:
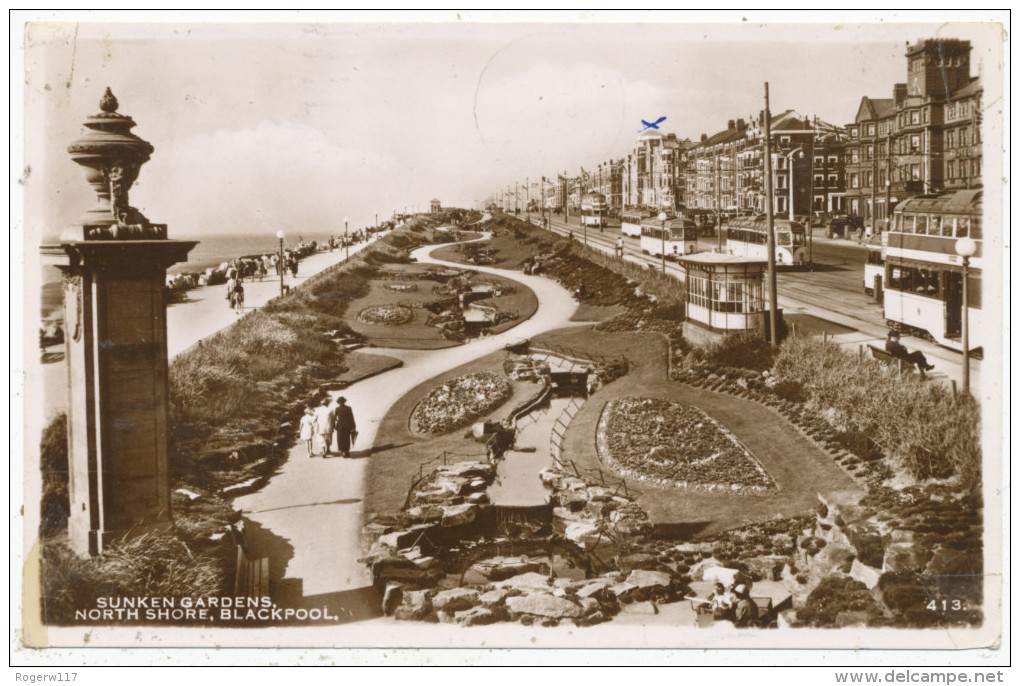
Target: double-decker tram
(678, 237)
(747, 237)
(874, 267)
(923, 273)
(594, 210)
(630, 222)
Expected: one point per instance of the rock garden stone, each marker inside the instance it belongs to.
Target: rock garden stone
(906, 557)
(458, 515)
(527, 581)
(593, 589)
(455, 599)
(392, 598)
(476, 616)
(543, 605)
(495, 597)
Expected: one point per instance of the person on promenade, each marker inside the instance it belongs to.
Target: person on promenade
(237, 299)
(722, 602)
(231, 287)
(307, 429)
(897, 349)
(346, 429)
(293, 266)
(745, 610)
(324, 425)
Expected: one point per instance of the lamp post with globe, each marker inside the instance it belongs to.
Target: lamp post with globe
(283, 267)
(347, 241)
(965, 248)
(662, 219)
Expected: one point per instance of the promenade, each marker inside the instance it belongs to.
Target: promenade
(314, 505)
(204, 312)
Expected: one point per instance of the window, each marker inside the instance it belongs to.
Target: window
(870, 152)
(819, 181)
(833, 180)
(963, 137)
(784, 140)
(925, 115)
(915, 117)
(832, 160)
(950, 139)
(853, 181)
(819, 161)
(853, 132)
(951, 169)
(915, 143)
(871, 129)
(853, 156)
(915, 172)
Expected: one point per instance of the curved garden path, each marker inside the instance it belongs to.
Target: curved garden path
(310, 513)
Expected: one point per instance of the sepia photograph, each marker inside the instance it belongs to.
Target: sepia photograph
(655, 331)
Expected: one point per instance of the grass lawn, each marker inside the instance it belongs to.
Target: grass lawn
(400, 452)
(363, 364)
(799, 469)
(511, 252)
(417, 334)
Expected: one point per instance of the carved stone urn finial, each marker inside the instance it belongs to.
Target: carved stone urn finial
(111, 157)
(108, 103)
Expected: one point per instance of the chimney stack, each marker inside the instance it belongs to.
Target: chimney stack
(731, 125)
(899, 93)
(704, 137)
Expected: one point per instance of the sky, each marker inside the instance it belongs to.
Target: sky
(267, 126)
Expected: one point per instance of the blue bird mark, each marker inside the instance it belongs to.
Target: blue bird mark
(651, 125)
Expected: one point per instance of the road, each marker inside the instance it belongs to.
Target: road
(831, 289)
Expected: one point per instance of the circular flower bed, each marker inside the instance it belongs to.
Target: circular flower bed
(391, 315)
(674, 444)
(459, 402)
(402, 287)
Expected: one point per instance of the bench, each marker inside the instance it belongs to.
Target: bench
(252, 579)
(887, 358)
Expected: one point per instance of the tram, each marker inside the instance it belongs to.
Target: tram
(630, 222)
(681, 237)
(594, 210)
(746, 237)
(923, 273)
(874, 267)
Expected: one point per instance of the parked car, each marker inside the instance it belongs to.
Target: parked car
(844, 225)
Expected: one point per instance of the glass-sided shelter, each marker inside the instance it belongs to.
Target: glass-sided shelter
(725, 294)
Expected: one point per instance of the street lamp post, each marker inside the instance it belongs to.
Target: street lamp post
(347, 241)
(283, 267)
(965, 248)
(662, 218)
(789, 163)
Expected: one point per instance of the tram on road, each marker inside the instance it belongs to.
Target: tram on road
(874, 267)
(746, 237)
(681, 237)
(630, 222)
(923, 273)
(594, 210)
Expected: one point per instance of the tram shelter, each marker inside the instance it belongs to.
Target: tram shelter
(725, 295)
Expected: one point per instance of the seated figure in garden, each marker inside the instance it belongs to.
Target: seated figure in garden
(897, 349)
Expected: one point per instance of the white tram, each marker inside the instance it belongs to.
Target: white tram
(678, 237)
(630, 222)
(923, 273)
(746, 237)
(594, 210)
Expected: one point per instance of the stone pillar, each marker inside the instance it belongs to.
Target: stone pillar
(114, 269)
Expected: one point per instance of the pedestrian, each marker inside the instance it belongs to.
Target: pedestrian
(324, 425)
(722, 602)
(237, 301)
(619, 247)
(897, 349)
(745, 610)
(346, 429)
(293, 266)
(231, 286)
(307, 429)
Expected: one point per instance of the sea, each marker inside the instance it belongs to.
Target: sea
(211, 251)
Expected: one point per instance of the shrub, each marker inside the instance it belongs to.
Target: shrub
(54, 468)
(748, 350)
(920, 427)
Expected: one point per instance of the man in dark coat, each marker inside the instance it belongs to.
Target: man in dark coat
(346, 429)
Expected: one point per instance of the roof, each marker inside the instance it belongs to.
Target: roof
(955, 202)
(972, 88)
(719, 258)
(875, 108)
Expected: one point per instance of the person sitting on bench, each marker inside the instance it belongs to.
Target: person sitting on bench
(897, 349)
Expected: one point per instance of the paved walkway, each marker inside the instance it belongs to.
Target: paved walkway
(312, 508)
(205, 312)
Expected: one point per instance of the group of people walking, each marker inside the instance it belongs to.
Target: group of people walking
(320, 425)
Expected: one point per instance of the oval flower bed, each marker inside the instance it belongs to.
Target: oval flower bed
(391, 315)
(675, 444)
(402, 287)
(459, 402)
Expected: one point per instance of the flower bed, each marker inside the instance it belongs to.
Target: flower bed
(674, 444)
(402, 287)
(459, 402)
(390, 315)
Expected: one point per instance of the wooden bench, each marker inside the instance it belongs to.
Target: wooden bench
(884, 357)
(252, 578)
